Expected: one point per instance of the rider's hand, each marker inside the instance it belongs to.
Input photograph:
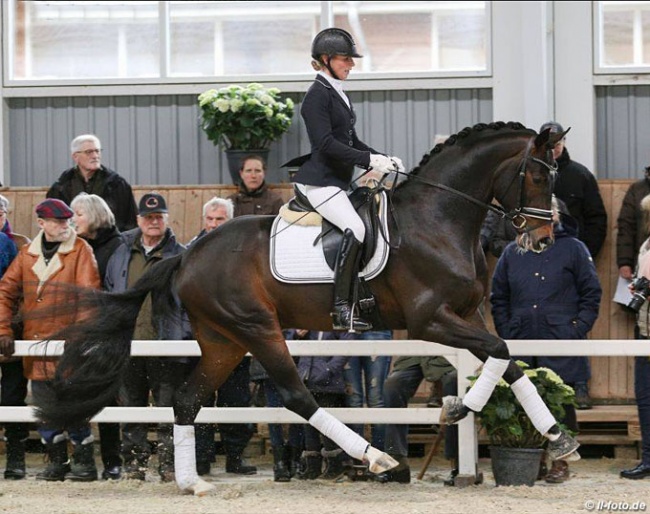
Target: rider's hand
(7, 346)
(381, 163)
(398, 164)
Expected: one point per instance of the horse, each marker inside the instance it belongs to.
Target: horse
(433, 283)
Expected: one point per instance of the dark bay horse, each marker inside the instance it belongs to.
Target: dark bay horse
(434, 281)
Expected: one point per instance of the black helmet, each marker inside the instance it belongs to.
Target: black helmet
(333, 41)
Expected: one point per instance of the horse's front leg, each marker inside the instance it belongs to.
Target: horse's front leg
(206, 378)
(296, 397)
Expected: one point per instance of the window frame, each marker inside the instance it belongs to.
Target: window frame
(288, 82)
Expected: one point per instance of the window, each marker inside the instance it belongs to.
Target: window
(622, 37)
(134, 41)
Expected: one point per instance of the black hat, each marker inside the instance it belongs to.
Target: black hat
(334, 41)
(151, 203)
(553, 125)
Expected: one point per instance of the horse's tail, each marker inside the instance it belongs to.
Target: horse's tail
(97, 351)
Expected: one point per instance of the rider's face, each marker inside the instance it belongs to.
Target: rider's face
(341, 66)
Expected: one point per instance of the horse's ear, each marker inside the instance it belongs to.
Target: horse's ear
(548, 140)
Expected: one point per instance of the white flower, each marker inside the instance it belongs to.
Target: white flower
(222, 105)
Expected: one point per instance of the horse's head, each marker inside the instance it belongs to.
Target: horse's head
(535, 175)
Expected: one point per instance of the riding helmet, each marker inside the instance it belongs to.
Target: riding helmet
(333, 41)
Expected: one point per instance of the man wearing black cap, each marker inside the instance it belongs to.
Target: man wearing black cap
(38, 280)
(577, 187)
(151, 242)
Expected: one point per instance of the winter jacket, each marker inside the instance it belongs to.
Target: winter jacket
(550, 295)
(104, 244)
(116, 191)
(577, 187)
(632, 224)
(73, 264)
(496, 233)
(323, 374)
(117, 280)
(335, 147)
(260, 201)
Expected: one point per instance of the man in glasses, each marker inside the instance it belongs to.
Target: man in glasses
(90, 176)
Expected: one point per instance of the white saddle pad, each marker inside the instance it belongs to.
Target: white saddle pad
(294, 258)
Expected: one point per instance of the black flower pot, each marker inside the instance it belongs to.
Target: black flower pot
(515, 466)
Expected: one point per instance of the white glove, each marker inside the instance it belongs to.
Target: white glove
(398, 164)
(381, 163)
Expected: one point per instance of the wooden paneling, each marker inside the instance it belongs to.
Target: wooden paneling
(612, 377)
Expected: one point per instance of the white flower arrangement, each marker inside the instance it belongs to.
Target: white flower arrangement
(245, 118)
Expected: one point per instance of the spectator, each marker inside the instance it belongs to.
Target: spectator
(254, 195)
(550, 295)
(633, 226)
(497, 232)
(364, 382)
(151, 242)
(400, 386)
(95, 223)
(5, 227)
(323, 376)
(90, 176)
(37, 280)
(577, 187)
(642, 364)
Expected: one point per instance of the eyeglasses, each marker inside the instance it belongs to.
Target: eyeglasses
(97, 151)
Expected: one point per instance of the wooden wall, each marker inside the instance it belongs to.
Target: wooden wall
(612, 377)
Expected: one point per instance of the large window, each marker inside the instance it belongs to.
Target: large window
(622, 37)
(138, 41)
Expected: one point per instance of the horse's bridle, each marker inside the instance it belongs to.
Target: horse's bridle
(517, 216)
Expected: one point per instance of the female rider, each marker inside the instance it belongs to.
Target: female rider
(326, 173)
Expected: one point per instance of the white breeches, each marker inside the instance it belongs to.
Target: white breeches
(333, 204)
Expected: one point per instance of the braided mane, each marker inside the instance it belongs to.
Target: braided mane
(467, 132)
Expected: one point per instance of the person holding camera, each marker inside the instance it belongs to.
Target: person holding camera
(640, 288)
(550, 295)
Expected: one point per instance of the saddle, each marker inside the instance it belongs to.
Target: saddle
(363, 201)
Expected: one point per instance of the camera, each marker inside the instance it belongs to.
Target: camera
(641, 286)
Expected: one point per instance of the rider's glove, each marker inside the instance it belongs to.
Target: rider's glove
(398, 164)
(381, 163)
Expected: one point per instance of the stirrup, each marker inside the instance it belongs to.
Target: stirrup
(343, 319)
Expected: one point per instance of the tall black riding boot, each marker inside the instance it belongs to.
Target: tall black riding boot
(59, 465)
(15, 469)
(345, 271)
(292, 460)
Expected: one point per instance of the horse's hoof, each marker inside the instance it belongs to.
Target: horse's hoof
(199, 488)
(452, 410)
(563, 448)
(378, 461)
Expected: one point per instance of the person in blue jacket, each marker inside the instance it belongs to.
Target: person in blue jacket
(554, 294)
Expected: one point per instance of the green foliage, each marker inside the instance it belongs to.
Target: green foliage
(244, 118)
(504, 419)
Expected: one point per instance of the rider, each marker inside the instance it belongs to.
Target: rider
(326, 173)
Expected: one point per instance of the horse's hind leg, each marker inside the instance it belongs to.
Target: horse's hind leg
(219, 357)
(277, 362)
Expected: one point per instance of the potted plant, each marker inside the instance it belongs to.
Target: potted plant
(511, 434)
(244, 119)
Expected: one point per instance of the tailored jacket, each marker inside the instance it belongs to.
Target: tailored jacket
(335, 147)
(72, 264)
(116, 280)
(577, 187)
(550, 295)
(116, 192)
(260, 201)
(632, 224)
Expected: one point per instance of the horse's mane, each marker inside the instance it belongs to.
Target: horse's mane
(465, 133)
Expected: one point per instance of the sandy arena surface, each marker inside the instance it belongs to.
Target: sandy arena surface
(593, 484)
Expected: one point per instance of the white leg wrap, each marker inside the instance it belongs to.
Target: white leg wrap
(480, 393)
(187, 478)
(526, 392)
(351, 442)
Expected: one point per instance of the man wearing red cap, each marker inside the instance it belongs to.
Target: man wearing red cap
(36, 282)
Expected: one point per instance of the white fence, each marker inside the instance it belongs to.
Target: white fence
(462, 359)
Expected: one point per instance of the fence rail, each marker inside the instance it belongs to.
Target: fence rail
(465, 363)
